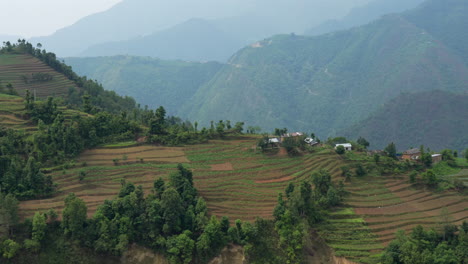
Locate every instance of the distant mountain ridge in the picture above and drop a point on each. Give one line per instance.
(329, 82)
(132, 20)
(363, 14)
(194, 40)
(434, 119)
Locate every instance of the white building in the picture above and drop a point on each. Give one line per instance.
(347, 146)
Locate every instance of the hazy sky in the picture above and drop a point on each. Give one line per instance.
(29, 18)
(32, 18)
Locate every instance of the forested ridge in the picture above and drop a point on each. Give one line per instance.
(340, 78)
(416, 118)
(170, 83)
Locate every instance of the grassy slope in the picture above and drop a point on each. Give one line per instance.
(151, 82)
(14, 66)
(334, 80)
(435, 119)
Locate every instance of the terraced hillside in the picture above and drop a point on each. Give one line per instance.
(239, 182)
(379, 206)
(12, 113)
(26, 72)
(235, 180)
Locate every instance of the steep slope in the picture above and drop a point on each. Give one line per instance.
(327, 83)
(23, 67)
(193, 40)
(151, 82)
(24, 72)
(434, 119)
(447, 22)
(363, 14)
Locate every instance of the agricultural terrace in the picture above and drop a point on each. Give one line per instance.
(378, 206)
(24, 72)
(241, 183)
(12, 112)
(234, 179)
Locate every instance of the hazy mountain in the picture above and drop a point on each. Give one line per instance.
(128, 19)
(151, 82)
(435, 119)
(363, 14)
(329, 82)
(194, 40)
(136, 18)
(448, 21)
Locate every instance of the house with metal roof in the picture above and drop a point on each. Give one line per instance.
(347, 146)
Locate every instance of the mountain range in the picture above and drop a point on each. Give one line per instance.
(364, 14)
(236, 22)
(327, 84)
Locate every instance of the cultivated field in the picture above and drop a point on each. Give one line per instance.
(235, 180)
(381, 205)
(240, 183)
(12, 111)
(19, 69)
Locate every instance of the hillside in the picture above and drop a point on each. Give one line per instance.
(230, 185)
(447, 22)
(12, 113)
(169, 83)
(362, 15)
(329, 82)
(241, 183)
(24, 72)
(24, 67)
(435, 119)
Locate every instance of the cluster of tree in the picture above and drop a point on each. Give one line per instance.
(9, 89)
(174, 131)
(173, 220)
(101, 99)
(429, 246)
(304, 207)
(37, 77)
(19, 168)
(56, 141)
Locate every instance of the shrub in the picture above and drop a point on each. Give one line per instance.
(340, 150)
(360, 170)
(82, 175)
